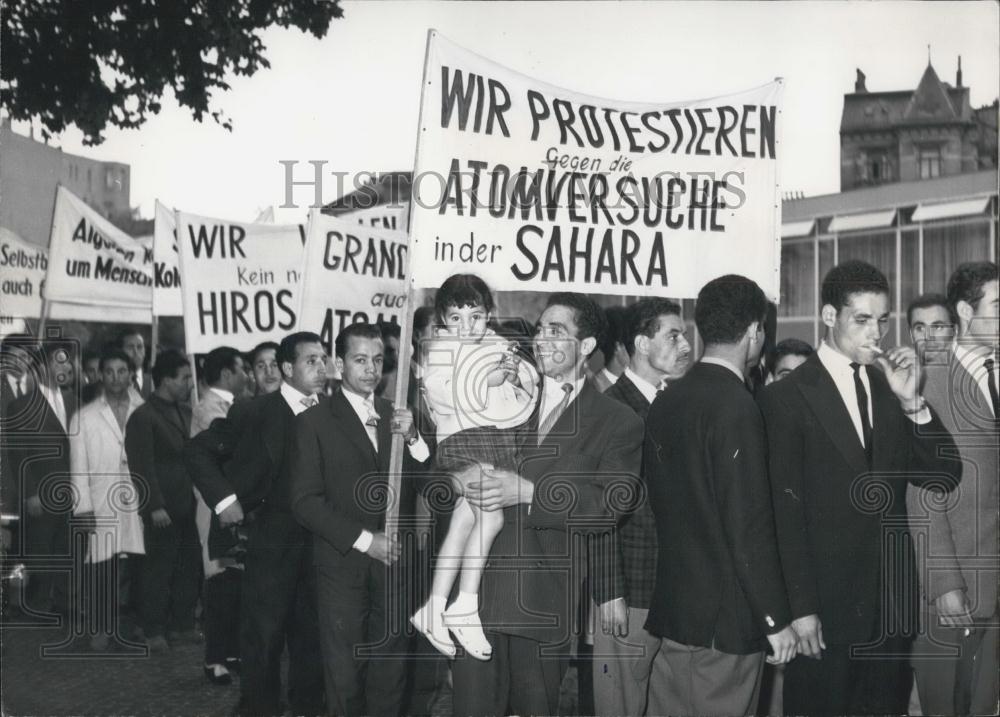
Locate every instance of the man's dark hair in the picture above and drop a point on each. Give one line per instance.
(643, 317)
(788, 347)
(114, 353)
(851, 277)
(260, 348)
(389, 329)
(19, 342)
(927, 301)
(89, 355)
(462, 290)
(168, 363)
(125, 333)
(966, 283)
(587, 314)
(616, 318)
(218, 359)
(361, 331)
(288, 351)
(423, 316)
(726, 307)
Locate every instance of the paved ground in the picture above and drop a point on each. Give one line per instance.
(47, 672)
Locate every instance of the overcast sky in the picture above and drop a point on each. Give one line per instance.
(352, 98)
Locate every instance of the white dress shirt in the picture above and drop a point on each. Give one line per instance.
(296, 400)
(973, 360)
(553, 394)
(839, 368)
(55, 399)
(647, 389)
(418, 450)
(225, 395)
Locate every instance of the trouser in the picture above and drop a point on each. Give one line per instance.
(867, 683)
(47, 536)
(221, 617)
(522, 678)
(365, 647)
(171, 572)
(278, 604)
(704, 681)
(957, 673)
(622, 666)
(103, 592)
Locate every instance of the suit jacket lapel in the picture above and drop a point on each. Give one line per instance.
(635, 399)
(821, 393)
(344, 414)
(276, 427)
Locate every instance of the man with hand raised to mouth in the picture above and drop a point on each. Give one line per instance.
(844, 441)
(338, 464)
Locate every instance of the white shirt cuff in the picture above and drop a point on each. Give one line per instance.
(364, 541)
(419, 450)
(224, 503)
(920, 417)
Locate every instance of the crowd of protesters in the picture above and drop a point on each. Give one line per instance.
(814, 523)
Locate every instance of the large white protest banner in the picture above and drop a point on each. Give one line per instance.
(352, 274)
(241, 281)
(166, 272)
(93, 263)
(382, 216)
(536, 187)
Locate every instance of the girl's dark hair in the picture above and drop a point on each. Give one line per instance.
(460, 290)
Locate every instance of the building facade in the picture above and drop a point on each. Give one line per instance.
(31, 170)
(905, 136)
(916, 232)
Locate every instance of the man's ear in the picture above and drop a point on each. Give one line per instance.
(286, 369)
(587, 346)
(641, 344)
(965, 311)
(339, 363)
(829, 315)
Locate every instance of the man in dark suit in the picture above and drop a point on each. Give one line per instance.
(154, 442)
(338, 466)
(579, 456)
(719, 598)
(623, 568)
(247, 450)
(133, 344)
(36, 426)
(955, 655)
(844, 439)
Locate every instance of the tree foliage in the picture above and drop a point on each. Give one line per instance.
(94, 62)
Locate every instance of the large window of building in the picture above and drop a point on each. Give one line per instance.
(930, 162)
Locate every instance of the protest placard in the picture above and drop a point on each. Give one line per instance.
(241, 281)
(93, 263)
(535, 187)
(352, 274)
(22, 273)
(166, 272)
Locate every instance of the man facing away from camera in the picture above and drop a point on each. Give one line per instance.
(719, 598)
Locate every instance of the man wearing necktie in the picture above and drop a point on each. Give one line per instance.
(955, 656)
(846, 431)
(36, 442)
(248, 450)
(338, 464)
(579, 463)
(134, 346)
